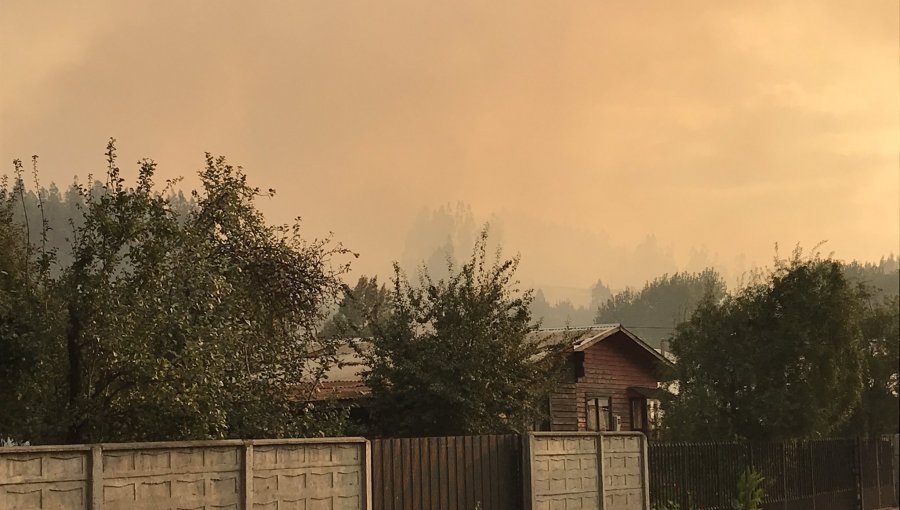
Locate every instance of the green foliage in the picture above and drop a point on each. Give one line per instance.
(361, 306)
(29, 313)
(877, 412)
(666, 505)
(454, 356)
(665, 301)
(881, 278)
(168, 322)
(750, 491)
(780, 359)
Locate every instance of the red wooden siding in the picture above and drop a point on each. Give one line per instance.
(611, 366)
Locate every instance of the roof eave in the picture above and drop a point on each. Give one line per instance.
(607, 333)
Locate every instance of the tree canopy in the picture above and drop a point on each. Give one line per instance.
(162, 323)
(455, 357)
(878, 411)
(666, 301)
(362, 306)
(782, 358)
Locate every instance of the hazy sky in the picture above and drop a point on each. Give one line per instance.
(607, 139)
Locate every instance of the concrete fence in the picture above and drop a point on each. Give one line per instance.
(586, 470)
(572, 470)
(332, 473)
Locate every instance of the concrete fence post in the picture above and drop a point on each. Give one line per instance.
(527, 470)
(367, 475)
(247, 476)
(601, 499)
(95, 478)
(645, 469)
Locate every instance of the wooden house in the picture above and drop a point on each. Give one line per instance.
(611, 381)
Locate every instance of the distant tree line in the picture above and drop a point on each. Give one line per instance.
(655, 310)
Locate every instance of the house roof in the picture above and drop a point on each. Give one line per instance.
(343, 380)
(584, 337)
(341, 390)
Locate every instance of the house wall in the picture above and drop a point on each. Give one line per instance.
(611, 366)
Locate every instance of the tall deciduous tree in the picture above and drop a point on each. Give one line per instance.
(170, 324)
(782, 358)
(362, 306)
(455, 357)
(662, 303)
(879, 409)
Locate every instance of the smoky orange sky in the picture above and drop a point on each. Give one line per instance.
(603, 139)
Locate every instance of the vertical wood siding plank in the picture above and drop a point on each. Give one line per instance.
(377, 476)
(406, 480)
(444, 470)
(434, 473)
(415, 473)
(469, 461)
(452, 476)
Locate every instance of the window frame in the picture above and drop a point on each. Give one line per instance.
(596, 415)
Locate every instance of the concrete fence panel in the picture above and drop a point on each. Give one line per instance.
(311, 474)
(143, 477)
(625, 484)
(45, 478)
(586, 471)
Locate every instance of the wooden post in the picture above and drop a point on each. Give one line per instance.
(247, 478)
(96, 480)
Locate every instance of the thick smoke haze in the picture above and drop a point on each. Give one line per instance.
(613, 140)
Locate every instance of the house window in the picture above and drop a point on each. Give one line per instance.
(654, 414)
(638, 414)
(645, 414)
(599, 413)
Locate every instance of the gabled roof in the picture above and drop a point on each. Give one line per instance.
(343, 379)
(584, 337)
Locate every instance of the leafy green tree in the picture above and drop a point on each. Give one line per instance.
(780, 359)
(28, 319)
(454, 357)
(174, 324)
(879, 409)
(655, 310)
(361, 306)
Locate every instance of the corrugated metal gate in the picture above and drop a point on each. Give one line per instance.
(447, 473)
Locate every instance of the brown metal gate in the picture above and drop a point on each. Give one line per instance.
(447, 473)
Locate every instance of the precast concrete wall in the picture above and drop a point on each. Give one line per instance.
(326, 474)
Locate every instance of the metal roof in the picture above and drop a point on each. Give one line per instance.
(582, 338)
